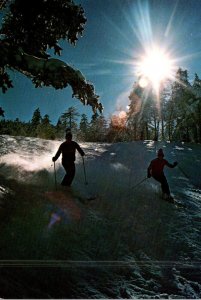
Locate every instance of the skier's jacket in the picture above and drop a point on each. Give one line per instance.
(68, 149)
(157, 165)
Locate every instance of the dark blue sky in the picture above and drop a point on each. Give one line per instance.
(115, 35)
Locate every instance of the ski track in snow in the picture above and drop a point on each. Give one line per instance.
(155, 241)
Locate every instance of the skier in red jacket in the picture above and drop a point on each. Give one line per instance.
(155, 170)
(68, 149)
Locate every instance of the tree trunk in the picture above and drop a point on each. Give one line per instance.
(162, 129)
(147, 131)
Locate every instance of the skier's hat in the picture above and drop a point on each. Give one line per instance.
(69, 135)
(160, 152)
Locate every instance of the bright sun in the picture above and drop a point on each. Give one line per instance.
(154, 67)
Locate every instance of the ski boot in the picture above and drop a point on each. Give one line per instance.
(168, 198)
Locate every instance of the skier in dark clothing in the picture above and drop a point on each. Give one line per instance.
(155, 170)
(68, 149)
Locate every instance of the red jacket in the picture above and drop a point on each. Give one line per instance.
(157, 165)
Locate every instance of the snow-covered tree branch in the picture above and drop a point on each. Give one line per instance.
(28, 31)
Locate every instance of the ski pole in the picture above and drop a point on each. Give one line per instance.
(85, 179)
(55, 177)
(139, 183)
(182, 171)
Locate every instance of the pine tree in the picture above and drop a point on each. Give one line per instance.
(93, 128)
(45, 130)
(165, 97)
(98, 128)
(83, 128)
(60, 129)
(134, 110)
(103, 128)
(69, 119)
(142, 114)
(35, 121)
(179, 107)
(195, 109)
(17, 127)
(1, 112)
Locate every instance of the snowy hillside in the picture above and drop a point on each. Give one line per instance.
(127, 243)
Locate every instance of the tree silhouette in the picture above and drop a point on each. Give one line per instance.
(35, 121)
(1, 112)
(69, 118)
(28, 29)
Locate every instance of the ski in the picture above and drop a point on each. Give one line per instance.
(82, 197)
(178, 204)
(86, 200)
(175, 202)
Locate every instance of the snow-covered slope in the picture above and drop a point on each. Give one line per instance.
(128, 243)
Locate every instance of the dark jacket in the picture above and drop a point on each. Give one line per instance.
(67, 149)
(157, 165)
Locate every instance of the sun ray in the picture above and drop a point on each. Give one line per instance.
(171, 19)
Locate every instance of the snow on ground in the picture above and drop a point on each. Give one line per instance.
(152, 248)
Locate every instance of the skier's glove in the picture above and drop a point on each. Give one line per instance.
(53, 159)
(175, 163)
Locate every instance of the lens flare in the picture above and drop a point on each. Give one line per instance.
(143, 82)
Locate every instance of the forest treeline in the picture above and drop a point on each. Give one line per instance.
(42, 127)
(174, 114)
